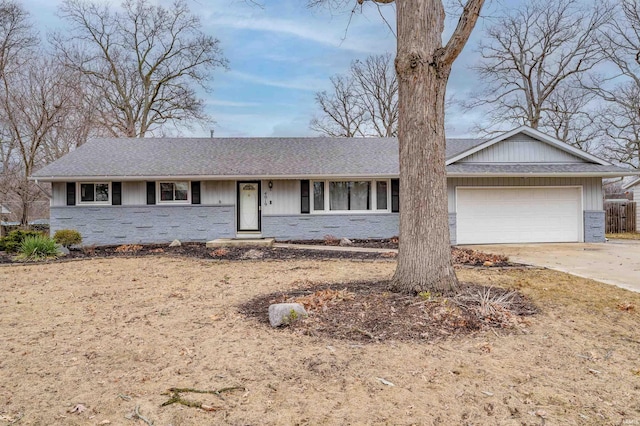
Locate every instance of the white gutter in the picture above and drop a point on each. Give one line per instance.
(532, 175)
(205, 177)
(320, 177)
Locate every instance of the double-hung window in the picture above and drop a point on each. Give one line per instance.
(174, 192)
(94, 193)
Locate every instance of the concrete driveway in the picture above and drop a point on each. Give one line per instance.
(615, 262)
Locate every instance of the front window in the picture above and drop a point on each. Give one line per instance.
(343, 196)
(94, 192)
(349, 195)
(174, 191)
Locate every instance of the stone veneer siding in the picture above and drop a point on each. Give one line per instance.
(453, 229)
(104, 225)
(594, 226)
(316, 226)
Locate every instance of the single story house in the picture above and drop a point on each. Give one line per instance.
(634, 186)
(522, 186)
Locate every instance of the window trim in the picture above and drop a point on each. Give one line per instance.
(93, 203)
(159, 199)
(373, 201)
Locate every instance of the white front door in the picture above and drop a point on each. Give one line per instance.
(248, 206)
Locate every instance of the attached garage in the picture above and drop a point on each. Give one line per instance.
(519, 214)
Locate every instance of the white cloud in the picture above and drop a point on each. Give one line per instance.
(234, 104)
(358, 36)
(297, 83)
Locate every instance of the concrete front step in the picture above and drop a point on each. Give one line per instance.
(237, 242)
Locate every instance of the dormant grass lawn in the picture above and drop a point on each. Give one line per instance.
(625, 236)
(94, 342)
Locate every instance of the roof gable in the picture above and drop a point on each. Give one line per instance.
(525, 145)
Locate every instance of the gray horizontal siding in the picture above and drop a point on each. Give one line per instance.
(102, 225)
(317, 226)
(521, 149)
(591, 187)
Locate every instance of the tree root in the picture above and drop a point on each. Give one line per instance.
(176, 398)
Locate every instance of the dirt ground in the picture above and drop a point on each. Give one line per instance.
(89, 342)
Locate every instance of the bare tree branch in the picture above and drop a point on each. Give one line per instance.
(364, 103)
(142, 64)
(619, 118)
(342, 114)
(531, 61)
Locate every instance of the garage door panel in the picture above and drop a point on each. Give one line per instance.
(514, 215)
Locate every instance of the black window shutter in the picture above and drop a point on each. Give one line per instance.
(151, 192)
(195, 192)
(395, 195)
(71, 193)
(116, 193)
(305, 205)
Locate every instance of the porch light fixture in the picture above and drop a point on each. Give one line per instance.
(270, 184)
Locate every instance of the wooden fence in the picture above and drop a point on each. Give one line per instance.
(620, 216)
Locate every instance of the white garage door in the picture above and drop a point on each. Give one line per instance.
(518, 215)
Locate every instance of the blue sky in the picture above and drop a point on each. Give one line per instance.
(281, 54)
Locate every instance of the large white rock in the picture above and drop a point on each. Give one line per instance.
(175, 243)
(285, 313)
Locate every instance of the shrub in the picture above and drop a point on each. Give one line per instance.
(67, 237)
(11, 243)
(38, 247)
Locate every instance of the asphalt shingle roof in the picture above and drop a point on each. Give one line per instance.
(109, 158)
(234, 156)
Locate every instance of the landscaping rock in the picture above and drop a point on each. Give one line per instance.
(253, 254)
(63, 251)
(175, 243)
(285, 313)
(345, 242)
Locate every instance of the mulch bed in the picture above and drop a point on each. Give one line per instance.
(384, 243)
(366, 312)
(200, 251)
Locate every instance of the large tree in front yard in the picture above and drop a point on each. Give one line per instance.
(423, 66)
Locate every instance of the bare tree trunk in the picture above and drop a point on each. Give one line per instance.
(424, 260)
(24, 218)
(423, 66)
